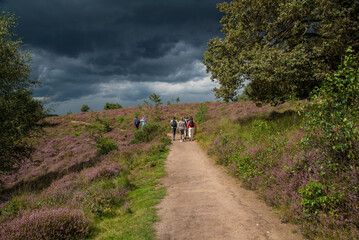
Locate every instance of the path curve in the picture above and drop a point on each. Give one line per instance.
(203, 202)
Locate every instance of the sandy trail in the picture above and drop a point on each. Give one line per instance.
(203, 202)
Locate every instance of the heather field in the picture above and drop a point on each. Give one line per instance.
(92, 176)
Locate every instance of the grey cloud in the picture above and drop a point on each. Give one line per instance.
(81, 44)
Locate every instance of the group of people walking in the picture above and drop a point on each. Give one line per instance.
(186, 127)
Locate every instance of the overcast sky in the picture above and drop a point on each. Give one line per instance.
(97, 51)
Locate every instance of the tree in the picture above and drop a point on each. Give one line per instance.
(20, 112)
(85, 108)
(280, 48)
(109, 106)
(156, 100)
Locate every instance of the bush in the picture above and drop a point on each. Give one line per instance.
(201, 114)
(332, 118)
(85, 108)
(149, 132)
(104, 145)
(47, 224)
(109, 106)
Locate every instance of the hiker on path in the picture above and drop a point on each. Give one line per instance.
(143, 121)
(137, 122)
(191, 126)
(174, 124)
(181, 127)
(186, 130)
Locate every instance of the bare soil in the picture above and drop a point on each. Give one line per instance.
(203, 202)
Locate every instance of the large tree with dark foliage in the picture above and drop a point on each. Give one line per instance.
(280, 48)
(19, 111)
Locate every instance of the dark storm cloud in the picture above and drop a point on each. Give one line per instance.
(79, 44)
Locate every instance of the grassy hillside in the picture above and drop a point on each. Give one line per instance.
(95, 173)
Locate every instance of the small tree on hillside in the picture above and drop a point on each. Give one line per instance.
(154, 100)
(85, 108)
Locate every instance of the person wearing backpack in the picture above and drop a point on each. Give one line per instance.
(181, 128)
(191, 126)
(174, 124)
(186, 130)
(137, 122)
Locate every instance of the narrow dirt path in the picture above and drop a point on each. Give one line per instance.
(203, 202)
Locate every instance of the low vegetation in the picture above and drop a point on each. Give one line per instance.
(301, 158)
(84, 173)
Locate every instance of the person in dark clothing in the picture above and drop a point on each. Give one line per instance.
(174, 124)
(137, 122)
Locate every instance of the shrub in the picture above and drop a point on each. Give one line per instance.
(105, 125)
(315, 198)
(104, 145)
(85, 108)
(149, 131)
(121, 119)
(332, 118)
(109, 106)
(201, 114)
(47, 224)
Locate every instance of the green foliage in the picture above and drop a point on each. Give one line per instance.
(105, 125)
(259, 128)
(20, 112)
(154, 100)
(109, 106)
(85, 108)
(104, 144)
(314, 199)
(332, 117)
(149, 131)
(201, 113)
(101, 203)
(77, 133)
(282, 48)
(121, 119)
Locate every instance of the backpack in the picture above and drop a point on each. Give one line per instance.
(174, 123)
(191, 123)
(137, 122)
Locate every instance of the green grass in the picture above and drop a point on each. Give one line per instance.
(136, 221)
